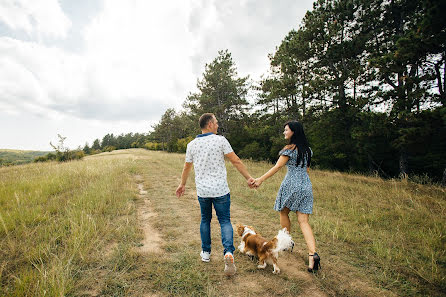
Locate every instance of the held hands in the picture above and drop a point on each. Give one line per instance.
(250, 182)
(254, 183)
(257, 182)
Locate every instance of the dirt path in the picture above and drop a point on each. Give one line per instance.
(170, 263)
(185, 217)
(152, 239)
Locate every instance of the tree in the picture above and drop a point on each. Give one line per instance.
(96, 145)
(61, 150)
(86, 149)
(63, 153)
(366, 78)
(220, 91)
(407, 53)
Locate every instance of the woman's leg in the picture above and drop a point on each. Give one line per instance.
(285, 219)
(302, 218)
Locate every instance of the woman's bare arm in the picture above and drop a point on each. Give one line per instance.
(280, 163)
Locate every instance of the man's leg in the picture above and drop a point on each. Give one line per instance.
(205, 225)
(222, 209)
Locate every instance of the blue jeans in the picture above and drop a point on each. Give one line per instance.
(222, 209)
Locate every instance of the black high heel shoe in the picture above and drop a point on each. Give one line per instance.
(316, 263)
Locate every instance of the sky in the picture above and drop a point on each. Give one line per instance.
(86, 68)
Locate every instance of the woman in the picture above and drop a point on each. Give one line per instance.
(295, 193)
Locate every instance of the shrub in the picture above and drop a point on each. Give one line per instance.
(153, 146)
(109, 148)
(252, 151)
(78, 155)
(182, 144)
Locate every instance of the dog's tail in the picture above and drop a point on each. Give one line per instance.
(284, 240)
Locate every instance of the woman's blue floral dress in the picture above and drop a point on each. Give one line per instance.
(296, 191)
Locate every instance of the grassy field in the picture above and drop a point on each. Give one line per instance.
(80, 229)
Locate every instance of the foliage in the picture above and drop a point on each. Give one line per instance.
(108, 148)
(182, 144)
(221, 91)
(63, 154)
(154, 146)
(111, 142)
(365, 77)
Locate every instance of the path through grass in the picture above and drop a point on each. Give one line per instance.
(74, 229)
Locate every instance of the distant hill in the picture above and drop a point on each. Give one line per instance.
(16, 157)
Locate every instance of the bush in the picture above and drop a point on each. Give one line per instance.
(78, 155)
(252, 151)
(423, 179)
(61, 156)
(95, 152)
(46, 158)
(172, 146)
(40, 159)
(182, 144)
(109, 148)
(153, 146)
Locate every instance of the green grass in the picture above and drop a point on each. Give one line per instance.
(72, 229)
(56, 219)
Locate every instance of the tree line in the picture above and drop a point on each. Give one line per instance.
(108, 143)
(365, 77)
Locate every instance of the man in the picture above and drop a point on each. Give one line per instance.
(206, 152)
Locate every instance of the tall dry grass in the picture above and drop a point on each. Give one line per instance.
(57, 219)
(392, 230)
(71, 229)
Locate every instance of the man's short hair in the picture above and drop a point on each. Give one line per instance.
(205, 119)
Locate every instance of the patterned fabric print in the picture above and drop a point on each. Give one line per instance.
(207, 154)
(296, 191)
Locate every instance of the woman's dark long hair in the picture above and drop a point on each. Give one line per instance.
(301, 143)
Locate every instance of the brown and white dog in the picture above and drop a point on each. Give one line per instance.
(255, 245)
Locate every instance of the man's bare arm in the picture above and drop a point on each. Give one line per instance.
(182, 186)
(235, 160)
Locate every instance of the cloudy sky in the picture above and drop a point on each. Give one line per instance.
(85, 68)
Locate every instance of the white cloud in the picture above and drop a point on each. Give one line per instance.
(33, 77)
(249, 29)
(138, 58)
(140, 50)
(35, 132)
(130, 70)
(35, 16)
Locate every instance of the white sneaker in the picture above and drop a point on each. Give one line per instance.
(205, 256)
(229, 264)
